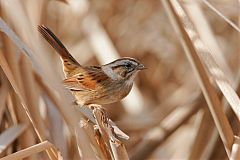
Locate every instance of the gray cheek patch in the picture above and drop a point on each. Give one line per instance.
(109, 72)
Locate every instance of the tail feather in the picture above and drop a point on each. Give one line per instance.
(68, 61)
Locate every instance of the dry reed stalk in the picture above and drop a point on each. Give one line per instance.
(177, 15)
(27, 139)
(130, 26)
(205, 55)
(212, 150)
(45, 145)
(93, 138)
(11, 134)
(84, 143)
(69, 113)
(112, 145)
(3, 94)
(200, 23)
(103, 130)
(56, 127)
(208, 38)
(20, 97)
(221, 15)
(158, 134)
(56, 101)
(235, 155)
(10, 108)
(102, 144)
(208, 151)
(119, 150)
(204, 135)
(32, 94)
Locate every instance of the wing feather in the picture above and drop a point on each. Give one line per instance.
(88, 80)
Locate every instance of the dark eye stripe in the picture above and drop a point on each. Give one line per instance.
(118, 66)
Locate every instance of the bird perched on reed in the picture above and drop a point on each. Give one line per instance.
(103, 84)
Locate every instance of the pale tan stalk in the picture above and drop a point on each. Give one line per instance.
(182, 25)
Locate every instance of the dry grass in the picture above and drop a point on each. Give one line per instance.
(185, 106)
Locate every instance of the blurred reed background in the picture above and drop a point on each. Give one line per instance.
(165, 115)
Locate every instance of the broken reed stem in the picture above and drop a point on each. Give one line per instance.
(113, 147)
(93, 138)
(175, 11)
(104, 137)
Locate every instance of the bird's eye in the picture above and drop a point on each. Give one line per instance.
(128, 66)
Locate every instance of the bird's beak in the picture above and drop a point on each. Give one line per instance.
(141, 67)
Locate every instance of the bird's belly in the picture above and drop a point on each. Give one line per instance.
(102, 97)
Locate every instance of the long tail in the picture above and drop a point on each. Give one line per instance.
(68, 61)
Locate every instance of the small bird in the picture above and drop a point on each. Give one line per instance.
(104, 84)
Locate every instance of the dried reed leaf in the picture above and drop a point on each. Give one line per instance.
(185, 29)
(118, 132)
(216, 72)
(221, 15)
(11, 134)
(208, 38)
(4, 28)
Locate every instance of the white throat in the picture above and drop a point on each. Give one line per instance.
(131, 79)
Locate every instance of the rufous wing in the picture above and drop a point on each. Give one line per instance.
(88, 80)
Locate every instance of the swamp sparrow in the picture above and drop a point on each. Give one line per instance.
(95, 84)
